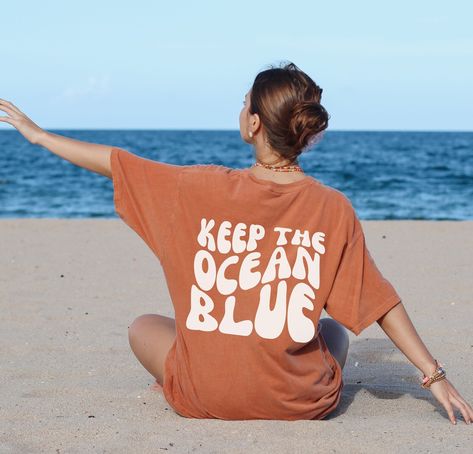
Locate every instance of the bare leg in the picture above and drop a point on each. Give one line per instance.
(336, 338)
(151, 336)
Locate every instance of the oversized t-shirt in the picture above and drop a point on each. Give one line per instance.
(250, 264)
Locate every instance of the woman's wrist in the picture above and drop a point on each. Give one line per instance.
(439, 374)
(429, 367)
(40, 138)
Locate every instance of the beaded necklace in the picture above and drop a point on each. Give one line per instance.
(286, 168)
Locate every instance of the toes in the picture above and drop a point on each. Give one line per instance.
(156, 386)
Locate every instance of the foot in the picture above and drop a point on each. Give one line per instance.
(156, 386)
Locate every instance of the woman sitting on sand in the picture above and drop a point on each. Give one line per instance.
(251, 257)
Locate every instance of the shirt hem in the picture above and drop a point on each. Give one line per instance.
(376, 314)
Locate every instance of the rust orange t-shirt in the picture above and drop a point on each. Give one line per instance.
(250, 264)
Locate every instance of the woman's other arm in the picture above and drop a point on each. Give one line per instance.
(398, 327)
(91, 156)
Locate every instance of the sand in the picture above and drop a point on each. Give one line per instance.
(70, 382)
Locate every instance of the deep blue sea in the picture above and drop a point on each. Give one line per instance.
(386, 175)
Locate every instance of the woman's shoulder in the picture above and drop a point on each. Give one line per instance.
(336, 196)
(208, 172)
(207, 168)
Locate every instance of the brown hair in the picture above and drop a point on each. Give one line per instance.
(287, 101)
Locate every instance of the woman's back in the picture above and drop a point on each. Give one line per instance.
(250, 264)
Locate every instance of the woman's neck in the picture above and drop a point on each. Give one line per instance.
(277, 177)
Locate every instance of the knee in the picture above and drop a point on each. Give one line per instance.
(137, 325)
(327, 321)
(332, 326)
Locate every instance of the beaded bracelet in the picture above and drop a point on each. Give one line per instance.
(439, 374)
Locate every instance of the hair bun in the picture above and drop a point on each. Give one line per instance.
(308, 120)
(287, 101)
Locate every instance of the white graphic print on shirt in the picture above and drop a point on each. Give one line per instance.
(268, 323)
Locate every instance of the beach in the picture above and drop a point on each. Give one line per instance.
(70, 382)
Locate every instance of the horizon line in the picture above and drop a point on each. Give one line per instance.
(237, 130)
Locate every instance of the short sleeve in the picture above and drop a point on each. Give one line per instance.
(360, 294)
(145, 194)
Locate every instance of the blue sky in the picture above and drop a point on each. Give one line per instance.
(187, 65)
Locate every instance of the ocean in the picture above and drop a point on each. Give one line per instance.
(386, 175)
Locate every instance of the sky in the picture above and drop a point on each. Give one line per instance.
(400, 65)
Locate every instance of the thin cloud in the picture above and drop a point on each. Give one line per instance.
(93, 86)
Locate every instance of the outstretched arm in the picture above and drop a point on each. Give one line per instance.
(90, 156)
(398, 327)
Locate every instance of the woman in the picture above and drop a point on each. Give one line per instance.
(251, 257)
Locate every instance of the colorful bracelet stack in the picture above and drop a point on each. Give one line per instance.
(439, 374)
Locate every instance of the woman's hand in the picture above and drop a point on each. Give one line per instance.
(30, 130)
(90, 156)
(448, 396)
(398, 326)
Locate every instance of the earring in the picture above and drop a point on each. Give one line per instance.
(250, 134)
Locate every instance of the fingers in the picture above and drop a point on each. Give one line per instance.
(4, 102)
(469, 409)
(8, 110)
(156, 386)
(454, 394)
(6, 120)
(449, 408)
(463, 409)
(448, 404)
(4, 107)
